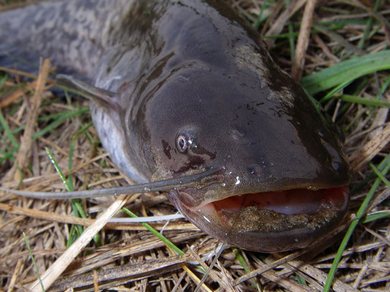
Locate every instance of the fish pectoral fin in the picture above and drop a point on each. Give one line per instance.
(86, 90)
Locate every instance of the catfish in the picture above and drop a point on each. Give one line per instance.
(185, 94)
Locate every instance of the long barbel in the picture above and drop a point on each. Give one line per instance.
(161, 185)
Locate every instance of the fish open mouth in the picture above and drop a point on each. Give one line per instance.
(270, 221)
(280, 211)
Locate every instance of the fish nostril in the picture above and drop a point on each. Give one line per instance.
(251, 170)
(254, 169)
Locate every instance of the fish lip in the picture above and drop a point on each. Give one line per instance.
(289, 240)
(268, 241)
(228, 182)
(208, 193)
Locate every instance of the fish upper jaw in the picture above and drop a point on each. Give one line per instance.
(264, 220)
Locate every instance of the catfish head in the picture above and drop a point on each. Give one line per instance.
(283, 173)
(200, 92)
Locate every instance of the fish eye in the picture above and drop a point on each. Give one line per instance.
(184, 142)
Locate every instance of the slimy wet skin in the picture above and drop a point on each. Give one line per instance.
(284, 181)
(185, 86)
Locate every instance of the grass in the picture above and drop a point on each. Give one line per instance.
(35, 267)
(7, 132)
(77, 208)
(159, 235)
(385, 166)
(346, 71)
(58, 119)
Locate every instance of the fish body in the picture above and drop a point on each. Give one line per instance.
(193, 88)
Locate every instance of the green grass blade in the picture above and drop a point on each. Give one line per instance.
(384, 87)
(368, 26)
(354, 223)
(261, 17)
(8, 132)
(241, 259)
(70, 163)
(58, 169)
(77, 208)
(300, 280)
(3, 79)
(365, 101)
(334, 91)
(165, 240)
(376, 216)
(380, 175)
(346, 71)
(75, 230)
(7, 156)
(35, 266)
(60, 120)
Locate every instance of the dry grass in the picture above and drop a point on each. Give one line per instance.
(35, 233)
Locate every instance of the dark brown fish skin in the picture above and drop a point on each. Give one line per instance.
(74, 34)
(191, 69)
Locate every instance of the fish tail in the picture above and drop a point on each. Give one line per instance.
(71, 33)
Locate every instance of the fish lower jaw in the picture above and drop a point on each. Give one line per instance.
(271, 221)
